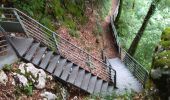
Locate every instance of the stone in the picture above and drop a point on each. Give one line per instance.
(49, 77)
(3, 77)
(39, 74)
(156, 73)
(22, 68)
(20, 79)
(49, 96)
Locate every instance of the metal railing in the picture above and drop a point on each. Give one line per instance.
(135, 67)
(64, 47)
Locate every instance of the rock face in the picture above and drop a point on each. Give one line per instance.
(37, 76)
(49, 96)
(160, 72)
(3, 77)
(22, 80)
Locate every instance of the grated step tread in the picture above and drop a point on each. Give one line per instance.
(36, 60)
(53, 63)
(80, 77)
(104, 87)
(110, 89)
(29, 55)
(86, 81)
(73, 74)
(98, 86)
(45, 61)
(92, 84)
(59, 67)
(66, 71)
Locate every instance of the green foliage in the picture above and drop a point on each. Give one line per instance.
(131, 20)
(104, 7)
(160, 63)
(69, 13)
(128, 95)
(165, 44)
(7, 67)
(27, 90)
(47, 22)
(162, 59)
(32, 7)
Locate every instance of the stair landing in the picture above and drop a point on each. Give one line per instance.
(9, 58)
(125, 80)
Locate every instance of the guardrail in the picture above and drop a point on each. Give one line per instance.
(135, 67)
(64, 47)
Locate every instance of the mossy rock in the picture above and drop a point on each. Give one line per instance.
(164, 54)
(165, 44)
(161, 63)
(166, 34)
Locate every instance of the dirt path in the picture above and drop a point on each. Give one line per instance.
(88, 41)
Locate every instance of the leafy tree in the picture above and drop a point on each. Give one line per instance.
(139, 34)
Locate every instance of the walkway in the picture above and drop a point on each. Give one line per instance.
(125, 80)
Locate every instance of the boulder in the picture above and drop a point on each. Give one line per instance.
(3, 77)
(48, 96)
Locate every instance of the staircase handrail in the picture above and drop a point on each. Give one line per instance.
(127, 55)
(52, 33)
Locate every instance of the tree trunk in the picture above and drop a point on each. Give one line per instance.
(136, 40)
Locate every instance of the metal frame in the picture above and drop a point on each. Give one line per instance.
(65, 48)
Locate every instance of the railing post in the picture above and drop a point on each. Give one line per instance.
(20, 21)
(56, 43)
(115, 81)
(145, 78)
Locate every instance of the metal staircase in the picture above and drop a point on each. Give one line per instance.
(60, 67)
(56, 55)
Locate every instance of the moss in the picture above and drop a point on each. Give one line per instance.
(162, 63)
(165, 44)
(166, 34)
(162, 59)
(164, 54)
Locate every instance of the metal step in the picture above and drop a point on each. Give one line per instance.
(104, 87)
(29, 55)
(21, 45)
(45, 61)
(80, 77)
(66, 71)
(110, 89)
(59, 67)
(86, 81)
(92, 84)
(37, 58)
(73, 74)
(52, 64)
(98, 86)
